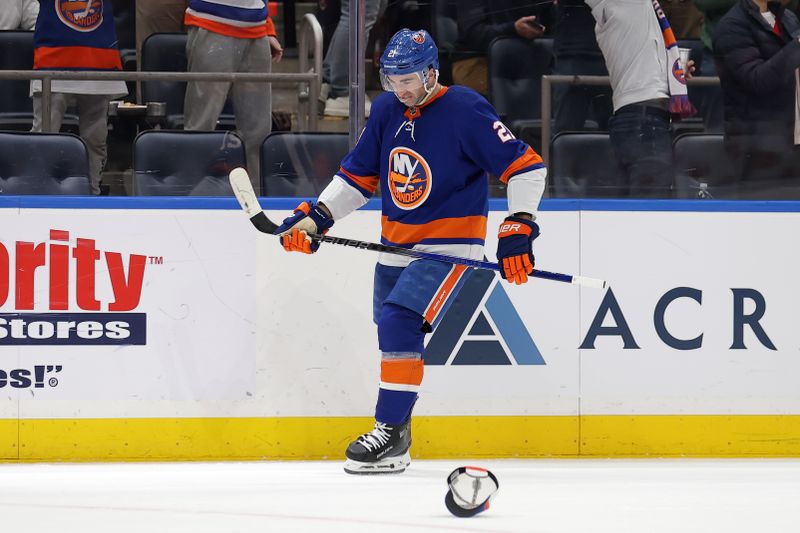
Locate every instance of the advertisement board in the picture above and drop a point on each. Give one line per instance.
(171, 329)
(112, 313)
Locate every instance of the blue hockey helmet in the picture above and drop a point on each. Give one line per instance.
(409, 51)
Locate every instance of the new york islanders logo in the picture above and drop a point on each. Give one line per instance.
(80, 15)
(419, 37)
(678, 72)
(410, 178)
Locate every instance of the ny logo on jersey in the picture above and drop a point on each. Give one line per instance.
(81, 16)
(410, 178)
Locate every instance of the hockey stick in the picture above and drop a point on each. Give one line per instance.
(85, 12)
(240, 183)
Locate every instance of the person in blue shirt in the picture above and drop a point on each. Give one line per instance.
(430, 148)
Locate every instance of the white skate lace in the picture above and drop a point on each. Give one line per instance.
(375, 438)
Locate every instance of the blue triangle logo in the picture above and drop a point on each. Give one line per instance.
(482, 328)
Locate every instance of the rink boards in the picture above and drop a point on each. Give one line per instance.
(144, 329)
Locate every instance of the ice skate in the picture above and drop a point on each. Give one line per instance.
(384, 450)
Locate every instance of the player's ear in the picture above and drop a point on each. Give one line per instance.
(428, 77)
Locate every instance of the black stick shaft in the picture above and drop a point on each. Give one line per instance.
(265, 225)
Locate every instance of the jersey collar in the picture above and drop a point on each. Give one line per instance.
(415, 112)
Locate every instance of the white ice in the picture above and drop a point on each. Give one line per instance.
(558, 495)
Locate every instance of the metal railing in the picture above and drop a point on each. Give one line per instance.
(553, 79)
(47, 77)
(308, 93)
(310, 26)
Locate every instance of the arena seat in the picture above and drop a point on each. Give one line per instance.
(166, 52)
(516, 68)
(185, 163)
(300, 164)
(582, 165)
(702, 167)
(16, 53)
(43, 163)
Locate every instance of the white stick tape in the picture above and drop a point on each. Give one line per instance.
(589, 282)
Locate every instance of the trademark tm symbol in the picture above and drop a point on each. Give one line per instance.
(155, 259)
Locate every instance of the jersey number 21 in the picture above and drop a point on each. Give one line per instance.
(502, 131)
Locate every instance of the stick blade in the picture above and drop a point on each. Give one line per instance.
(243, 190)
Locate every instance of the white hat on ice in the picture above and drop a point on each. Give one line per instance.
(470, 488)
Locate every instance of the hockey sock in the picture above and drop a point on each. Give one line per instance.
(400, 339)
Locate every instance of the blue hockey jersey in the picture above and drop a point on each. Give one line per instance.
(75, 34)
(431, 163)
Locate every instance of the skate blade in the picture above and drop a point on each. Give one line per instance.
(390, 465)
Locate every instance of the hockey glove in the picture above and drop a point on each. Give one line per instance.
(308, 217)
(515, 248)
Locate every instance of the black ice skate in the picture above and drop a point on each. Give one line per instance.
(384, 450)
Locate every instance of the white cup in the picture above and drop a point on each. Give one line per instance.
(683, 57)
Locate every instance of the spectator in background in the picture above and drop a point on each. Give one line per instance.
(758, 53)
(226, 38)
(336, 65)
(576, 52)
(78, 36)
(327, 13)
(19, 14)
(684, 18)
(480, 22)
(642, 91)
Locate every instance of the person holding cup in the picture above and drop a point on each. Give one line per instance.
(648, 88)
(758, 55)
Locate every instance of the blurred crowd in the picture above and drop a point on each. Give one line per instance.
(650, 50)
(751, 45)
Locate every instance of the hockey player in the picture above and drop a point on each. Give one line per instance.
(430, 147)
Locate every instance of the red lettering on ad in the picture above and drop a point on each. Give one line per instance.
(126, 281)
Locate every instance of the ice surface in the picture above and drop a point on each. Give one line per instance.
(559, 495)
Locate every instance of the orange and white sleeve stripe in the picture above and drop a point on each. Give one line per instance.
(528, 160)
